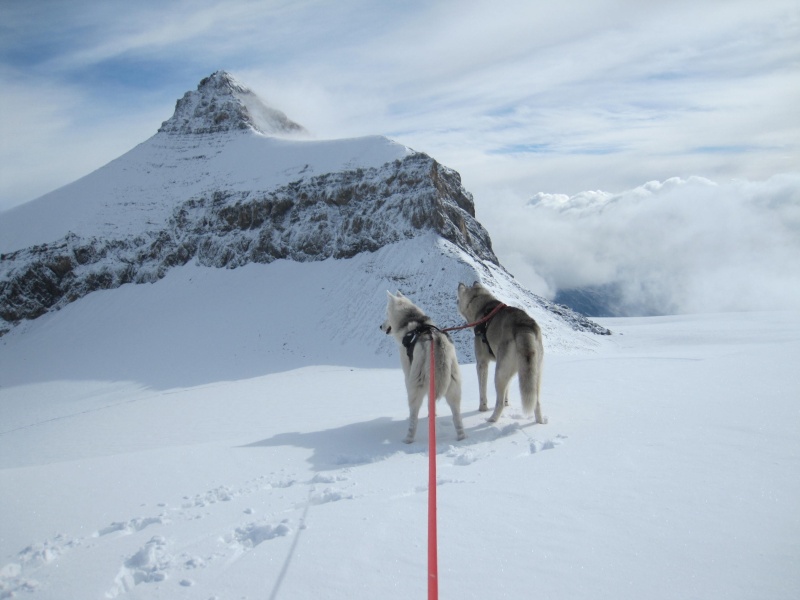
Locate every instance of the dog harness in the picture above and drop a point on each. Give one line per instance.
(480, 329)
(410, 339)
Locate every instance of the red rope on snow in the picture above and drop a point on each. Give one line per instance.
(433, 554)
(433, 544)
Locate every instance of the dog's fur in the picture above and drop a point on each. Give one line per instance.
(402, 317)
(514, 340)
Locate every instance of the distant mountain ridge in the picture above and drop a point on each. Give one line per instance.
(216, 186)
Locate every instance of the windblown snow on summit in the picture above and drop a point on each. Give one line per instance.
(222, 104)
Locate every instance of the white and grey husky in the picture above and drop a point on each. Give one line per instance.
(414, 332)
(514, 340)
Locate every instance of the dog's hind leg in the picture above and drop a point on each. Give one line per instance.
(414, 404)
(529, 357)
(482, 365)
(453, 397)
(503, 372)
(537, 387)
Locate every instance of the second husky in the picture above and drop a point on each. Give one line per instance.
(415, 332)
(514, 340)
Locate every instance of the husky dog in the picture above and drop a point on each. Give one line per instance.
(510, 337)
(414, 332)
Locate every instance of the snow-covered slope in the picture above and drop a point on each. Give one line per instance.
(670, 467)
(259, 318)
(139, 191)
(221, 185)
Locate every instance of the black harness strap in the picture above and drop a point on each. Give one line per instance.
(480, 329)
(410, 339)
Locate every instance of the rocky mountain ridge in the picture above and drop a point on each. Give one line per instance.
(336, 215)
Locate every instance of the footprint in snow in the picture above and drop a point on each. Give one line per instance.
(463, 456)
(328, 495)
(538, 446)
(253, 534)
(150, 564)
(132, 526)
(326, 478)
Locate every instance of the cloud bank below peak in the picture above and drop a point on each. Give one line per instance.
(677, 246)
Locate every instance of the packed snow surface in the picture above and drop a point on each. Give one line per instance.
(137, 462)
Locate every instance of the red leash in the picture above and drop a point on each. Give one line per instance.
(495, 310)
(433, 549)
(433, 554)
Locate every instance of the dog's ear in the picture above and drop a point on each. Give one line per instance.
(400, 294)
(461, 287)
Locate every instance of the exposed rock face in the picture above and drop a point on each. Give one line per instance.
(222, 104)
(335, 215)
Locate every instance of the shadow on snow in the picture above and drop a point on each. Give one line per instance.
(376, 440)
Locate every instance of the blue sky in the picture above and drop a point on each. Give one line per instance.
(519, 97)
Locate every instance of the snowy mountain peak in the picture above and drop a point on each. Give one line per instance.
(387, 216)
(222, 104)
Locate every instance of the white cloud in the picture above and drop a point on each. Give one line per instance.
(543, 92)
(51, 135)
(677, 246)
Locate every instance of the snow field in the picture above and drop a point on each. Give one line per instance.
(668, 469)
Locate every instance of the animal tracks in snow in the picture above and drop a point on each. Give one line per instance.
(15, 576)
(153, 561)
(538, 446)
(132, 526)
(479, 445)
(253, 534)
(185, 542)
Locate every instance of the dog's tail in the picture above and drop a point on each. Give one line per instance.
(530, 353)
(444, 372)
(420, 370)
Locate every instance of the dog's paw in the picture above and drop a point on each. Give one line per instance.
(492, 419)
(461, 436)
(483, 407)
(408, 440)
(543, 421)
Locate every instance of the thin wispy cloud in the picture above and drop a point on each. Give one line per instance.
(520, 99)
